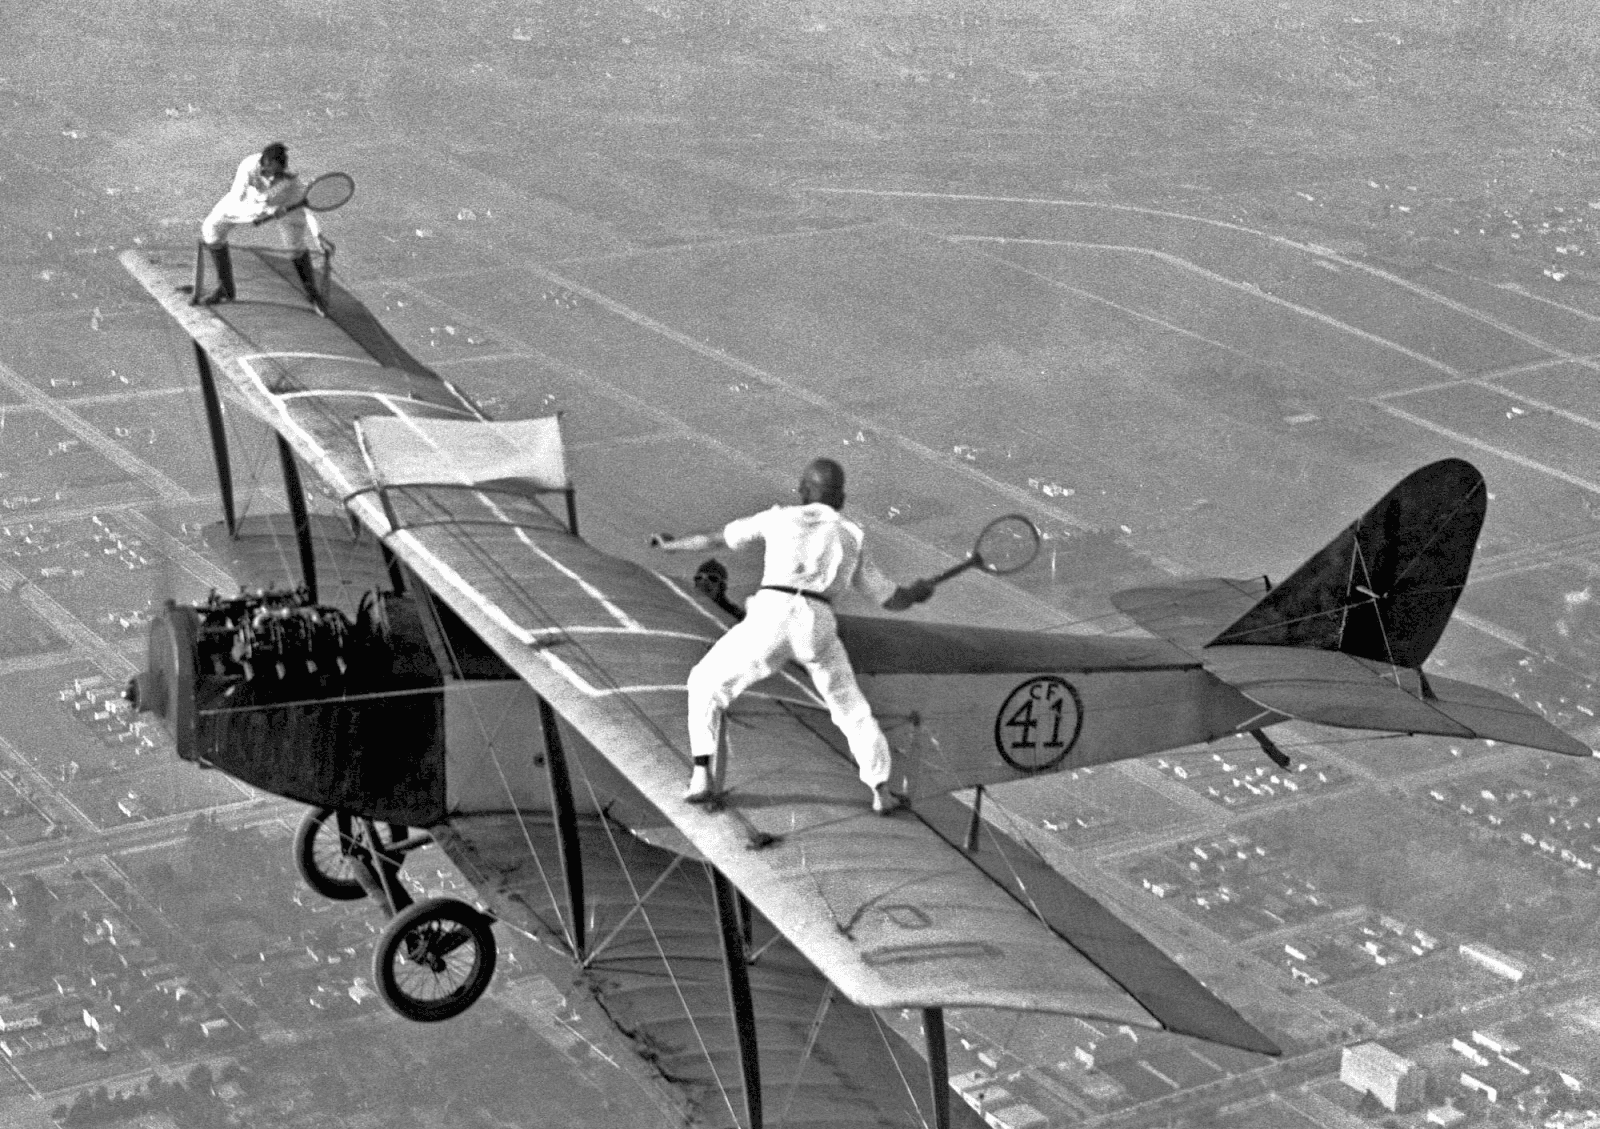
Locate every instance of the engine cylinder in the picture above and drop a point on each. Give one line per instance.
(300, 700)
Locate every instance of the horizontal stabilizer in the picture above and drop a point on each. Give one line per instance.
(1331, 688)
(1499, 718)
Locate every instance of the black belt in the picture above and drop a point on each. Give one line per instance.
(817, 596)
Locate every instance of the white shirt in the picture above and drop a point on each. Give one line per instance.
(813, 548)
(253, 195)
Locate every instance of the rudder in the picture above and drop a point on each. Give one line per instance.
(1385, 587)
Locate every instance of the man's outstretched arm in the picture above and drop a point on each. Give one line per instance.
(689, 542)
(871, 580)
(907, 595)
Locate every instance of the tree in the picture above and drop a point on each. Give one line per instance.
(33, 900)
(200, 1080)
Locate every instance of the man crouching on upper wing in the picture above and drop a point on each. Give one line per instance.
(263, 189)
(812, 553)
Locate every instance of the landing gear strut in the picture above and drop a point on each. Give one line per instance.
(435, 957)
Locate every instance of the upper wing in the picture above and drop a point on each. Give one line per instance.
(889, 909)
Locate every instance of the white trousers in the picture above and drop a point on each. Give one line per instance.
(297, 233)
(778, 627)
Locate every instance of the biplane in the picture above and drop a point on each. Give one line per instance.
(507, 666)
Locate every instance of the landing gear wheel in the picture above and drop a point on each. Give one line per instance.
(323, 846)
(434, 959)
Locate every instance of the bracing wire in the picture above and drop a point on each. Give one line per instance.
(594, 953)
(894, 1058)
(491, 745)
(573, 644)
(330, 554)
(812, 1035)
(655, 939)
(1021, 886)
(568, 929)
(770, 941)
(1441, 526)
(1359, 557)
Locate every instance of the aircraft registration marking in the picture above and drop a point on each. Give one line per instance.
(906, 916)
(1038, 723)
(933, 951)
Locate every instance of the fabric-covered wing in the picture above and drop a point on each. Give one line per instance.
(1332, 688)
(895, 916)
(659, 977)
(892, 913)
(1189, 615)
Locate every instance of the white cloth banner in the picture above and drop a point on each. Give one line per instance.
(412, 451)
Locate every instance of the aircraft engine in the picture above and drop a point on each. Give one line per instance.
(298, 699)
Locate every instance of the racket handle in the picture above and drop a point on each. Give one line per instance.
(955, 570)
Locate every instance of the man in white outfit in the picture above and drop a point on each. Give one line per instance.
(263, 189)
(812, 554)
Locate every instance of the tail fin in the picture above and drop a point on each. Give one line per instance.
(1385, 587)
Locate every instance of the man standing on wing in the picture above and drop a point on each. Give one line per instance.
(263, 189)
(812, 554)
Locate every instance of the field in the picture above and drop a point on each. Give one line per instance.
(1190, 285)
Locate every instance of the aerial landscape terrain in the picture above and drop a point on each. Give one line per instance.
(1189, 285)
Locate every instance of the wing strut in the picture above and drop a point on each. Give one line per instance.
(219, 437)
(391, 564)
(739, 998)
(302, 519)
(938, 1065)
(566, 812)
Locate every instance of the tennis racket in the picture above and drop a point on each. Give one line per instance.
(1006, 545)
(329, 191)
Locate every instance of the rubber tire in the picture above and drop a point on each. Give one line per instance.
(405, 924)
(330, 886)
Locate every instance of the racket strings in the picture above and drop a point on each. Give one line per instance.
(1008, 544)
(329, 191)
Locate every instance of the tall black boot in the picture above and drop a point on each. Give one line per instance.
(308, 279)
(222, 265)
